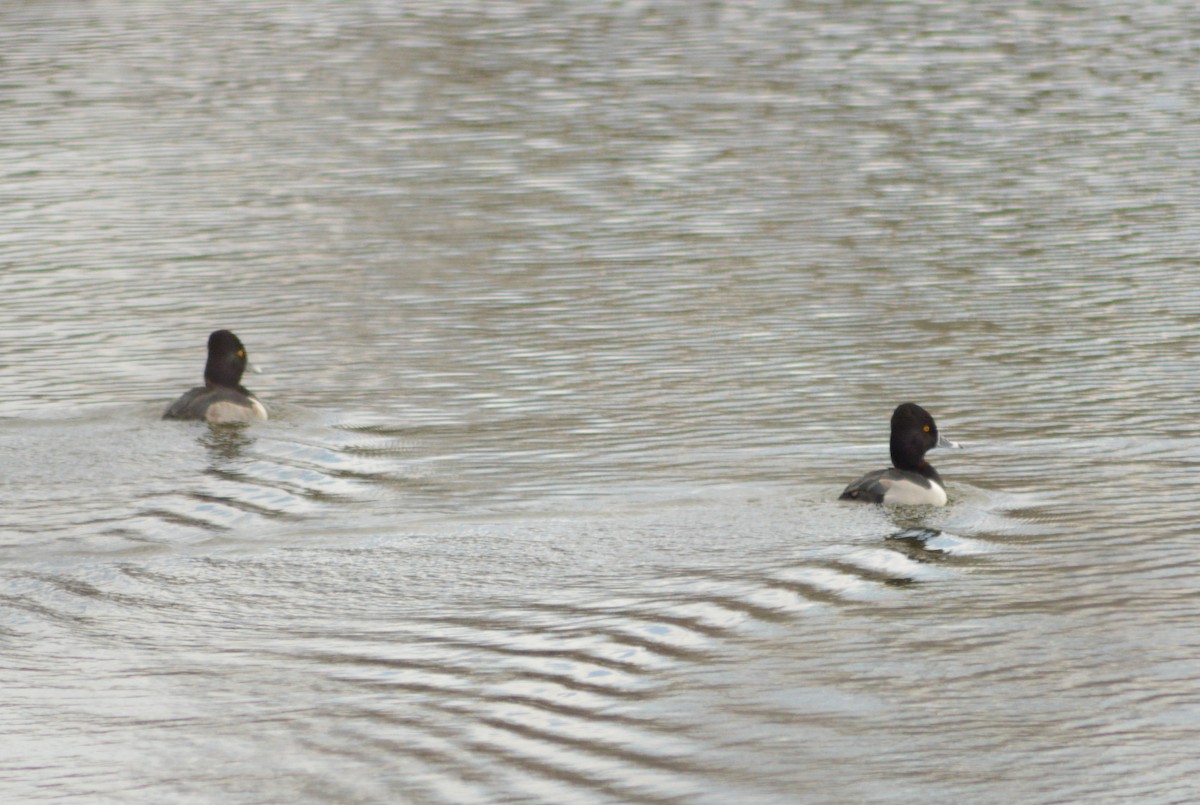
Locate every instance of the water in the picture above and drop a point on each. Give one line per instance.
(576, 319)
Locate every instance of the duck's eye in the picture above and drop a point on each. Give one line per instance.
(923, 427)
(242, 354)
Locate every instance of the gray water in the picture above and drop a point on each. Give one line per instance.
(575, 318)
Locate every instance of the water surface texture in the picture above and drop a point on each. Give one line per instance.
(575, 319)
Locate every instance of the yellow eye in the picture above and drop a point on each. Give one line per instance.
(924, 428)
(242, 354)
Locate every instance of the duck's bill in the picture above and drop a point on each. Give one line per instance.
(944, 442)
(250, 367)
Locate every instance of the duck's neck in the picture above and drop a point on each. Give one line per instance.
(908, 454)
(926, 469)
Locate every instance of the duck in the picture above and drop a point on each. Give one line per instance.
(222, 399)
(911, 480)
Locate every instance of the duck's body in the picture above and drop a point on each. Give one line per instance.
(911, 480)
(222, 399)
(218, 405)
(897, 487)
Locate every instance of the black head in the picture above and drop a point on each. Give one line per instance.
(226, 360)
(913, 433)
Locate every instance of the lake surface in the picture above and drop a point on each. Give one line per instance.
(575, 319)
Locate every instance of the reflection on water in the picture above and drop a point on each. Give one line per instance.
(576, 320)
(226, 443)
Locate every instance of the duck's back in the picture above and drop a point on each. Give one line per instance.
(898, 487)
(217, 405)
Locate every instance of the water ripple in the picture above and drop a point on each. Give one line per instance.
(576, 318)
